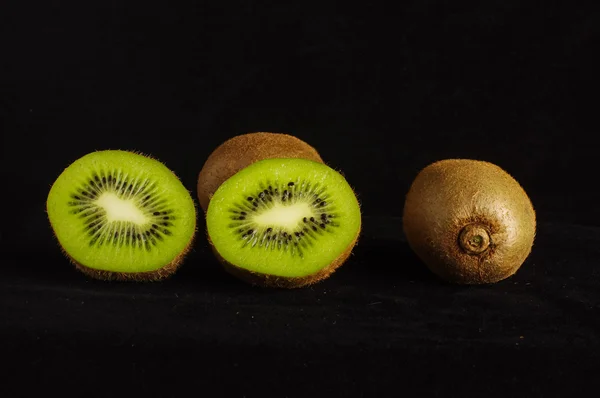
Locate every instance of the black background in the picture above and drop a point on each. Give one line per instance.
(380, 92)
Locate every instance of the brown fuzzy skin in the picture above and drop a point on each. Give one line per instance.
(453, 200)
(145, 276)
(274, 281)
(243, 150)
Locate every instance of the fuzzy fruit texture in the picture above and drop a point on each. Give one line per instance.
(274, 281)
(469, 221)
(238, 152)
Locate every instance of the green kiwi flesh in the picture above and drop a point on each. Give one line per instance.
(469, 221)
(283, 222)
(120, 215)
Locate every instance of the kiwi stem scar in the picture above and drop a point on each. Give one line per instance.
(118, 209)
(474, 239)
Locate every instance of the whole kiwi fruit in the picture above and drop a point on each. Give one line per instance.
(240, 151)
(469, 221)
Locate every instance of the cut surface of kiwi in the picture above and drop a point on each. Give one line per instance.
(122, 215)
(284, 222)
(469, 221)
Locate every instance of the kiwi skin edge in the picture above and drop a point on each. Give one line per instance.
(274, 281)
(240, 151)
(144, 276)
(469, 221)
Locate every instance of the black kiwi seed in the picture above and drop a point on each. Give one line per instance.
(305, 219)
(290, 184)
(312, 219)
(250, 198)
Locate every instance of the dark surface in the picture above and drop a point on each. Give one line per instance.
(380, 95)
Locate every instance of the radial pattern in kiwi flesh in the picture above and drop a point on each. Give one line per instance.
(286, 218)
(121, 212)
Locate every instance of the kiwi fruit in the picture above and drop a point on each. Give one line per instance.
(283, 222)
(242, 150)
(469, 221)
(120, 215)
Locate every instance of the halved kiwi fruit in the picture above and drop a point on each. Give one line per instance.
(283, 222)
(469, 221)
(120, 215)
(243, 150)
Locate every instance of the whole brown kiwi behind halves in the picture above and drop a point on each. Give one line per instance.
(469, 221)
(243, 150)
